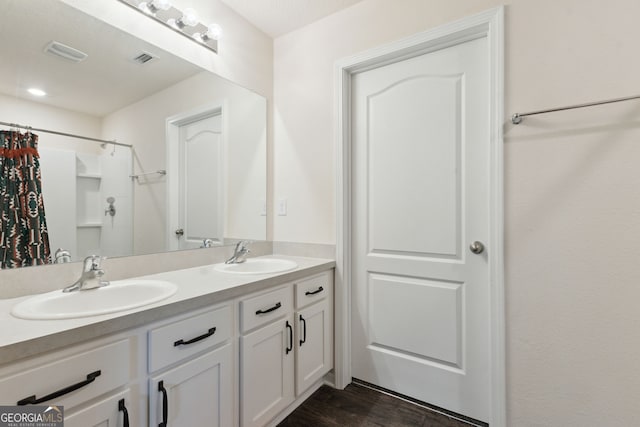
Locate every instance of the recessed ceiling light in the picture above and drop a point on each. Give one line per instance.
(36, 92)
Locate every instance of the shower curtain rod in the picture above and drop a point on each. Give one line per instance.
(516, 119)
(29, 128)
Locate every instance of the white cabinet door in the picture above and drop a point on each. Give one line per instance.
(314, 356)
(266, 370)
(112, 411)
(196, 393)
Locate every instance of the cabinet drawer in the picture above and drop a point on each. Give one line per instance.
(183, 338)
(264, 308)
(313, 289)
(95, 372)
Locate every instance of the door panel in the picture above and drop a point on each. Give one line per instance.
(429, 327)
(420, 153)
(414, 151)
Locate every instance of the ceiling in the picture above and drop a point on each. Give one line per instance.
(104, 82)
(108, 79)
(278, 17)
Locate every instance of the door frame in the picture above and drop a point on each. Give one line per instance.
(173, 125)
(489, 24)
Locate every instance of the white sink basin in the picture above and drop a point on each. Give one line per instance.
(119, 295)
(258, 266)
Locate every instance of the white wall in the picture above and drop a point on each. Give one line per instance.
(35, 114)
(571, 187)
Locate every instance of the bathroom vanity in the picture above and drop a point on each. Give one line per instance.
(225, 350)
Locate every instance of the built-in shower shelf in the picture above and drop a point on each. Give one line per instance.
(89, 175)
(89, 225)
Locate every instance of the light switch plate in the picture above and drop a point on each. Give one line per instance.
(282, 207)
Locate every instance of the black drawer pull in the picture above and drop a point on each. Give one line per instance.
(196, 339)
(317, 291)
(31, 400)
(165, 404)
(269, 310)
(125, 414)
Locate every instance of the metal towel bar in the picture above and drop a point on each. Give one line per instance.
(516, 119)
(159, 172)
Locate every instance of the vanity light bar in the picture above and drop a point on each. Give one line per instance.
(184, 22)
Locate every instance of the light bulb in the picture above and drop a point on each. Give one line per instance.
(161, 4)
(214, 31)
(144, 6)
(175, 24)
(151, 7)
(189, 17)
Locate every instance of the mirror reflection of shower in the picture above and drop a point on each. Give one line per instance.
(88, 196)
(111, 209)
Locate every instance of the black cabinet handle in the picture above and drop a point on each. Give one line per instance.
(196, 339)
(290, 346)
(125, 413)
(317, 291)
(269, 310)
(165, 404)
(32, 400)
(304, 330)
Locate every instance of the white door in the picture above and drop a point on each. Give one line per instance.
(201, 211)
(420, 307)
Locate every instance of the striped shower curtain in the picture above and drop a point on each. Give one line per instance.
(24, 239)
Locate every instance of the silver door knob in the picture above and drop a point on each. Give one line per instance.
(179, 232)
(477, 247)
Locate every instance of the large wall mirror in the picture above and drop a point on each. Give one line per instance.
(196, 168)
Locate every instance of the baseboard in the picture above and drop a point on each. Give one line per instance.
(299, 401)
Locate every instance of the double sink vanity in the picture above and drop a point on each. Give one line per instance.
(217, 345)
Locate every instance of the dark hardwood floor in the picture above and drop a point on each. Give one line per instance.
(361, 406)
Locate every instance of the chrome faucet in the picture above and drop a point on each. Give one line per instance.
(61, 256)
(207, 243)
(239, 253)
(90, 277)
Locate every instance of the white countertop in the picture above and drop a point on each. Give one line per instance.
(197, 287)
